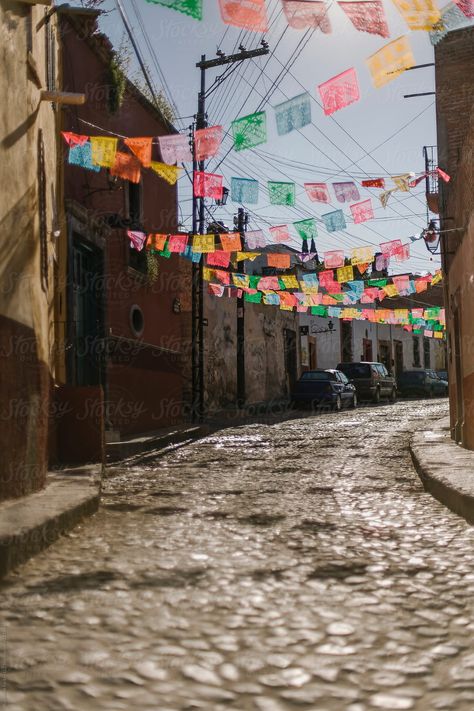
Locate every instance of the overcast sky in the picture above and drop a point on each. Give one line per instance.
(381, 135)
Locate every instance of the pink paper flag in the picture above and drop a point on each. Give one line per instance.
(334, 259)
(367, 16)
(362, 211)
(223, 277)
(215, 289)
(402, 253)
(175, 149)
(302, 14)
(269, 283)
(218, 259)
(402, 283)
(340, 91)
(249, 14)
(388, 249)
(444, 176)
(208, 185)
(137, 239)
(326, 278)
(255, 239)
(279, 233)
(207, 142)
(177, 243)
(466, 6)
(345, 192)
(317, 192)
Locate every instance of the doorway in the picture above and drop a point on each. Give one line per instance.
(398, 358)
(367, 350)
(291, 363)
(313, 357)
(86, 315)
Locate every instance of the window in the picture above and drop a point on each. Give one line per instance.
(426, 353)
(416, 352)
(315, 375)
(342, 378)
(134, 213)
(355, 370)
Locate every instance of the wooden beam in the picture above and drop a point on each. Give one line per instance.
(63, 97)
(36, 2)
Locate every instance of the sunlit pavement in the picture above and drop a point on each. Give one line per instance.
(269, 567)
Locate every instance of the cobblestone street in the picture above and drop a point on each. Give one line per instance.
(268, 567)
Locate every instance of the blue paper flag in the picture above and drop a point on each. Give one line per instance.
(82, 156)
(334, 221)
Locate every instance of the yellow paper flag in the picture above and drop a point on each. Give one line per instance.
(204, 243)
(345, 274)
(170, 173)
(390, 61)
(391, 290)
(241, 280)
(401, 181)
(362, 255)
(103, 151)
(419, 14)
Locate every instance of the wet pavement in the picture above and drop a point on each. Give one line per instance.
(297, 565)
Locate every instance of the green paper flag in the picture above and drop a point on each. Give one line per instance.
(378, 282)
(253, 298)
(193, 8)
(281, 193)
(319, 310)
(306, 228)
(249, 131)
(253, 282)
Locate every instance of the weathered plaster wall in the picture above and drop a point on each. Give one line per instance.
(27, 253)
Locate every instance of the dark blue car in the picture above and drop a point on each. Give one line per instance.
(324, 387)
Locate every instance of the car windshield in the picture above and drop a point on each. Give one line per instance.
(413, 376)
(317, 375)
(355, 370)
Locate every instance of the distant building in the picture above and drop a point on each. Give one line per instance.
(454, 60)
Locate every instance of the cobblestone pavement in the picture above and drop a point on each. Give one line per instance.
(296, 565)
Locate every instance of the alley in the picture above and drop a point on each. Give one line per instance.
(268, 567)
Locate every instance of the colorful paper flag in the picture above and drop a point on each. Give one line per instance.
(373, 183)
(340, 91)
(156, 242)
(255, 239)
(367, 16)
(127, 167)
(207, 142)
(177, 243)
(385, 196)
(390, 61)
(81, 155)
(362, 255)
(333, 259)
(317, 192)
(244, 190)
(388, 249)
(293, 114)
(452, 18)
(170, 173)
(74, 139)
(141, 148)
(419, 14)
(334, 221)
(137, 239)
(103, 151)
(444, 176)
(281, 193)
(208, 185)
(249, 14)
(231, 241)
(362, 211)
(193, 8)
(204, 243)
(402, 253)
(279, 233)
(218, 259)
(175, 149)
(306, 228)
(466, 6)
(302, 14)
(249, 131)
(279, 261)
(345, 192)
(345, 274)
(402, 182)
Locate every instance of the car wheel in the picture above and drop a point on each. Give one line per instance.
(376, 397)
(338, 404)
(393, 395)
(354, 401)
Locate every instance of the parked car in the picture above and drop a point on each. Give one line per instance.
(325, 387)
(372, 380)
(442, 374)
(421, 383)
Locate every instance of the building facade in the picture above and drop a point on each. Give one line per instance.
(454, 61)
(29, 227)
(119, 310)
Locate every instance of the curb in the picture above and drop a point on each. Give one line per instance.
(32, 523)
(118, 451)
(446, 470)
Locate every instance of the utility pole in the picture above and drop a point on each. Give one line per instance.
(242, 219)
(197, 333)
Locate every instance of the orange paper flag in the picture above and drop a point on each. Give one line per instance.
(141, 147)
(127, 167)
